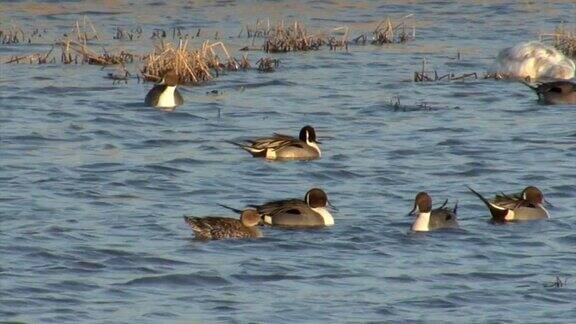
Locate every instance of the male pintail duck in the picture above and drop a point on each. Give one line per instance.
(428, 219)
(217, 228)
(285, 147)
(533, 60)
(310, 212)
(526, 205)
(556, 92)
(165, 94)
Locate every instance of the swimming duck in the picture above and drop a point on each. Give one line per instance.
(556, 93)
(310, 212)
(285, 147)
(533, 60)
(165, 94)
(217, 228)
(526, 205)
(428, 219)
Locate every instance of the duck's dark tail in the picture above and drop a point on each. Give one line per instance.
(498, 213)
(239, 211)
(531, 85)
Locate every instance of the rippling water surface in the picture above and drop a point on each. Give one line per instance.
(94, 184)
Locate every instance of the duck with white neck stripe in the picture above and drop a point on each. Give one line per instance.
(527, 205)
(428, 219)
(311, 212)
(285, 147)
(165, 94)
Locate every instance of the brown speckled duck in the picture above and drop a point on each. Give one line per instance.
(218, 228)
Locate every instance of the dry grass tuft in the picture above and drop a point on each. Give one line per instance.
(563, 39)
(291, 38)
(194, 66)
(388, 32)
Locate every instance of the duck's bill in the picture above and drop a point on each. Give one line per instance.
(331, 206)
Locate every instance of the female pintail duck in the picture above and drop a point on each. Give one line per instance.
(285, 147)
(526, 205)
(217, 228)
(428, 219)
(533, 60)
(556, 92)
(165, 94)
(310, 212)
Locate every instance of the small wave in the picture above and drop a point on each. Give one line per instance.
(179, 280)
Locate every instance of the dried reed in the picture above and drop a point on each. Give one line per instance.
(291, 38)
(89, 56)
(16, 35)
(563, 39)
(423, 75)
(194, 67)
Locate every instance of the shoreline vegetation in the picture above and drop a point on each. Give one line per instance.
(195, 64)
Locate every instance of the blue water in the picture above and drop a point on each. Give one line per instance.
(94, 184)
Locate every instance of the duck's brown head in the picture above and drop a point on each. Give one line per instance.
(250, 217)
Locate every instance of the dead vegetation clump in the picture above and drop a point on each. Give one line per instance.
(75, 52)
(268, 64)
(36, 58)
(424, 75)
(291, 38)
(563, 39)
(388, 32)
(16, 35)
(194, 66)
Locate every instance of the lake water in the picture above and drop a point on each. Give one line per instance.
(95, 184)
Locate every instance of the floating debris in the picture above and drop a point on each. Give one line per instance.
(563, 39)
(558, 283)
(291, 38)
(424, 76)
(36, 58)
(268, 64)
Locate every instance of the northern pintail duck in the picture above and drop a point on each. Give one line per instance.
(533, 60)
(556, 92)
(310, 212)
(428, 219)
(217, 228)
(526, 205)
(285, 147)
(165, 94)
